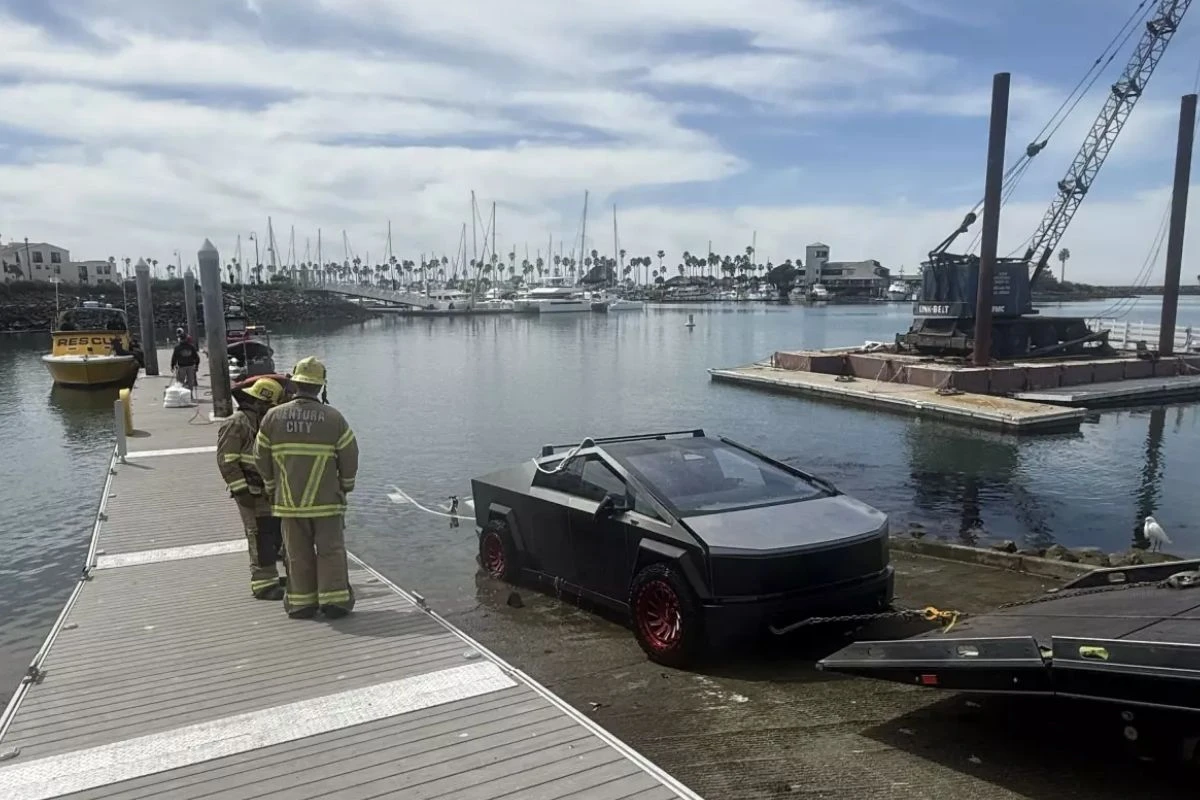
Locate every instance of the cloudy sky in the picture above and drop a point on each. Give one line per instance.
(139, 127)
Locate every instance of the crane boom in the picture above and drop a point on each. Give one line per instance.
(1122, 97)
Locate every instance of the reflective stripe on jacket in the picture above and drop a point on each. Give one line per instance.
(235, 452)
(308, 458)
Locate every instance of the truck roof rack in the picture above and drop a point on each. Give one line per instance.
(550, 449)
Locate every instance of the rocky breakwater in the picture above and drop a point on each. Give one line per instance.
(31, 306)
(1062, 563)
(1087, 556)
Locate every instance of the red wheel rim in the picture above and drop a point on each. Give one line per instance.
(493, 555)
(658, 615)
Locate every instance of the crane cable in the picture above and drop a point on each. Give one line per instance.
(1014, 174)
(1121, 308)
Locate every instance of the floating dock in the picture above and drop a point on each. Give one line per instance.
(1119, 393)
(1020, 397)
(978, 410)
(162, 677)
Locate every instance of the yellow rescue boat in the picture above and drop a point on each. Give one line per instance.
(91, 347)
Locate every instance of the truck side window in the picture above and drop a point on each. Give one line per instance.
(599, 481)
(566, 480)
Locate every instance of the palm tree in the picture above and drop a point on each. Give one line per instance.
(1063, 255)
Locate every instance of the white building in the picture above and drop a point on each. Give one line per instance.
(816, 256)
(853, 277)
(41, 261)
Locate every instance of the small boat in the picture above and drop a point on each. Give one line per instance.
(818, 293)
(250, 358)
(91, 348)
(898, 291)
(238, 329)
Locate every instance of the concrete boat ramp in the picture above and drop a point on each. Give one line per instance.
(162, 677)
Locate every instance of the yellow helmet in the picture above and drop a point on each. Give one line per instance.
(267, 390)
(309, 370)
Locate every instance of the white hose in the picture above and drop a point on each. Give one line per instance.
(571, 454)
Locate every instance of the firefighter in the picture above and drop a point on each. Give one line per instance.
(235, 459)
(308, 458)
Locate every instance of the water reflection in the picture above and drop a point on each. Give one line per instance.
(977, 478)
(81, 413)
(1149, 491)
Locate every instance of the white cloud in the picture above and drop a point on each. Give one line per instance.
(383, 109)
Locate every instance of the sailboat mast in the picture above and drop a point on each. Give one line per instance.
(474, 239)
(494, 253)
(271, 245)
(582, 236)
(616, 247)
(320, 262)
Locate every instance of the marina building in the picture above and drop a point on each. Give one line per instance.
(844, 277)
(42, 261)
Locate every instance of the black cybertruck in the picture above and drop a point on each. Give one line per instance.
(697, 539)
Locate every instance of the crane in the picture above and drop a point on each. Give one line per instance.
(1104, 131)
(946, 309)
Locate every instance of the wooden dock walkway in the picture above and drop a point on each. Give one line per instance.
(162, 677)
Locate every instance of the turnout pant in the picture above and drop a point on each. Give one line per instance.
(263, 539)
(186, 376)
(316, 563)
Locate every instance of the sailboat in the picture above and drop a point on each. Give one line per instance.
(610, 301)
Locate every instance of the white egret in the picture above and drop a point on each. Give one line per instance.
(1154, 534)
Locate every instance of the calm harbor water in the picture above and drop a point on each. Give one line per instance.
(435, 401)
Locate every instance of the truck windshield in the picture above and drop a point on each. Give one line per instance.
(702, 476)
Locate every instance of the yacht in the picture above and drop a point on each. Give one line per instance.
(553, 300)
(613, 302)
(898, 291)
(817, 292)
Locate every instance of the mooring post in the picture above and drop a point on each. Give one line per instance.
(214, 329)
(990, 233)
(146, 315)
(1179, 201)
(189, 303)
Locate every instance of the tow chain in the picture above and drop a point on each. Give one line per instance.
(947, 619)
(1180, 580)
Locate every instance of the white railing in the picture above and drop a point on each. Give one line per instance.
(1124, 335)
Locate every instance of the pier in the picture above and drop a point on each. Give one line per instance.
(163, 677)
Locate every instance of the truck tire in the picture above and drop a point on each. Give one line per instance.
(498, 553)
(666, 617)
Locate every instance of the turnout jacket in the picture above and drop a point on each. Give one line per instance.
(235, 452)
(308, 458)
